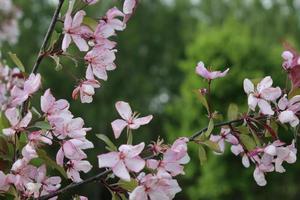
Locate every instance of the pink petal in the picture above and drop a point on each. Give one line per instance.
(152, 163)
(32, 84)
(100, 72)
(252, 102)
(138, 193)
(66, 42)
(143, 120)
(78, 18)
(124, 109)
(82, 165)
(265, 107)
(8, 131)
(13, 116)
(271, 94)
(108, 159)
(202, 71)
(132, 151)
(118, 125)
(80, 43)
(120, 170)
(283, 103)
(259, 177)
(128, 6)
(68, 21)
(60, 157)
(26, 120)
(245, 161)
(135, 164)
(248, 86)
(265, 83)
(47, 101)
(287, 55)
(73, 175)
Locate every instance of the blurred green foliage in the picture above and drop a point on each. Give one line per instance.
(156, 59)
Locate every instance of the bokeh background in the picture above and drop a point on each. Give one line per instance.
(156, 60)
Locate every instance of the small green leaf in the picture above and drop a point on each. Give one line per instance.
(243, 130)
(51, 163)
(247, 141)
(107, 141)
(36, 112)
(42, 125)
(209, 128)
(212, 145)
(56, 59)
(202, 154)
(53, 40)
(90, 22)
(4, 123)
(232, 112)
(129, 186)
(17, 61)
(203, 101)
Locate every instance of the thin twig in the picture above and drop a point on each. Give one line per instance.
(74, 185)
(42, 49)
(198, 133)
(47, 37)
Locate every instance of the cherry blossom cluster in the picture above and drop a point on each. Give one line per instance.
(9, 28)
(70, 134)
(164, 164)
(13, 89)
(100, 49)
(266, 159)
(273, 104)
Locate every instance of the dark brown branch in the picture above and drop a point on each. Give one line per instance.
(47, 37)
(74, 185)
(42, 49)
(198, 133)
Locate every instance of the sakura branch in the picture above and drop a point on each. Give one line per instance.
(134, 170)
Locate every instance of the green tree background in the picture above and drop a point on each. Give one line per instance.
(156, 60)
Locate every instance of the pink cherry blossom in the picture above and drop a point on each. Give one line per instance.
(287, 154)
(74, 167)
(129, 119)
(124, 161)
(72, 128)
(73, 150)
(86, 88)
(155, 187)
(17, 123)
(173, 159)
(21, 174)
(56, 111)
(50, 106)
(292, 65)
(209, 75)
(111, 23)
(41, 184)
(288, 110)
(225, 135)
(263, 95)
(31, 85)
(100, 60)
(73, 30)
(34, 141)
